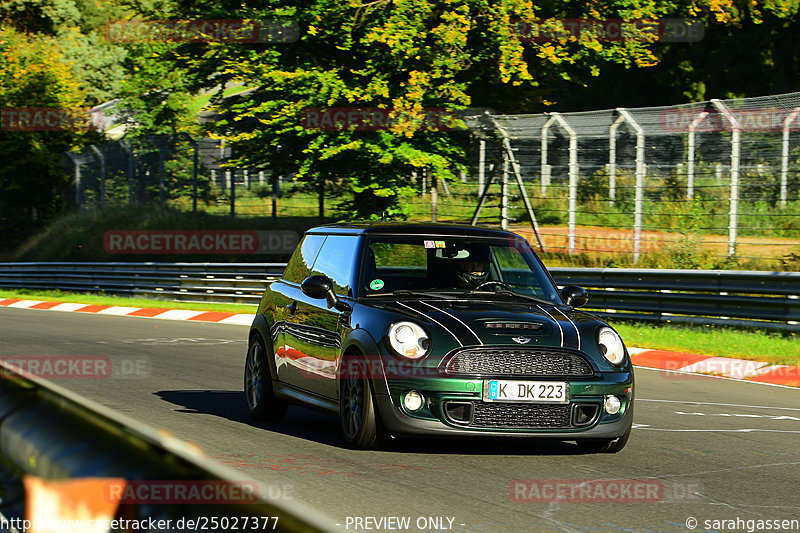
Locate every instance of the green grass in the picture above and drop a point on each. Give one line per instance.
(104, 299)
(756, 345)
(775, 348)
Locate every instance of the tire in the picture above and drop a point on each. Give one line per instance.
(261, 402)
(358, 420)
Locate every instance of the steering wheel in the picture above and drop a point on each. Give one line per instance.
(497, 283)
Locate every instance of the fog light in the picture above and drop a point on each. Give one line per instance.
(413, 400)
(612, 405)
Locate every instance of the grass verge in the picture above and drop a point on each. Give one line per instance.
(756, 345)
(771, 347)
(104, 299)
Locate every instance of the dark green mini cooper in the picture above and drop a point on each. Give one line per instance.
(429, 329)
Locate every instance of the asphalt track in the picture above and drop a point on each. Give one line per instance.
(715, 449)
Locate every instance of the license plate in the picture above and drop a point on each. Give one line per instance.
(500, 390)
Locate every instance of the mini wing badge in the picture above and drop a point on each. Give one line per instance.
(521, 340)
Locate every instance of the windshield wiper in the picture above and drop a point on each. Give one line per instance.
(508, 292)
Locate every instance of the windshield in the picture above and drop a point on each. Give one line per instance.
(433, 265)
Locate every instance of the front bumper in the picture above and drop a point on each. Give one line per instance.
(433, 419)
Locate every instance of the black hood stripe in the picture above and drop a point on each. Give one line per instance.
(461, 322)
(574, 325)
(560, 329)
(429, 317)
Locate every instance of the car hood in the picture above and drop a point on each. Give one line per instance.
(499, 321)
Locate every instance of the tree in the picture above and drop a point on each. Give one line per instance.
(32, 75)
(405, 57)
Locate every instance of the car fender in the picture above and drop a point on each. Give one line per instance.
(261, 327)
(361, 340)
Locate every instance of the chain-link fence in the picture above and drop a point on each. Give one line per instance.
(175, 171)
(703, 185)
(709, 182)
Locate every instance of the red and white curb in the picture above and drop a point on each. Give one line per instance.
(717, 366)
(684, 363)
(147, 312)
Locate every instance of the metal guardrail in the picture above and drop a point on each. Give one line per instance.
(741, 298)
(50, 434)
(198, 282)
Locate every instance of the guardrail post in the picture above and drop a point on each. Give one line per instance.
(736, 132)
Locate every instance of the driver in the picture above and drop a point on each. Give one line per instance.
(473, 269)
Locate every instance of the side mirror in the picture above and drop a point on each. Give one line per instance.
(575, 296)
(319, 287)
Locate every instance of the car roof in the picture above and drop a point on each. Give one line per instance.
(407, 228)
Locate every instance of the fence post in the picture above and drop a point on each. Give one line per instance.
(785, 156)
(612, 159)
(129, 153)
(101, 158)
(276, 188)
(321, 200)
(504, 197)
(690, 158)
(232, 176)
(195, 171)
(736, 132)
(77, 163)
(434, 195)
(481, 165)
(161, 176)
(639, 186)
(573, 171)
(544, 173)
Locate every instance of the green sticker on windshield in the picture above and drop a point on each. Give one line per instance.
(376, 284)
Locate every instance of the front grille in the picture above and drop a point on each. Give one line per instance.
(519, 362)
(520, 416)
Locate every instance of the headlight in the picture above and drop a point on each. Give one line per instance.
(408, 339)
(611, 346)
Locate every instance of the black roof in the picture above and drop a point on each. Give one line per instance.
(408, 228)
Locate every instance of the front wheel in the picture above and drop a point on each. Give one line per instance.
(261, 402)
(358, 419)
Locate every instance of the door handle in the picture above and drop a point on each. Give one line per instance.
(292, 307)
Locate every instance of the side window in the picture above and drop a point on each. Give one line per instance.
(337, 260)
(299, 266)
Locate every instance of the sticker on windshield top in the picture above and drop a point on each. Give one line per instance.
(376, 284)
(440, 244)
(429, 244)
